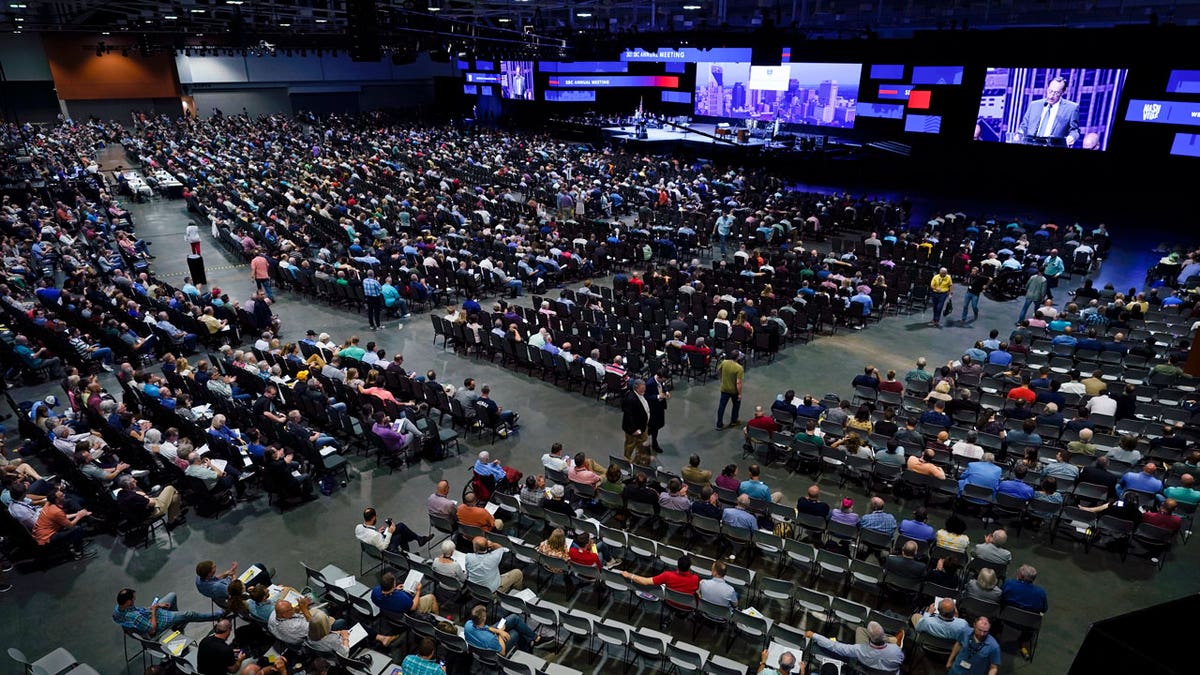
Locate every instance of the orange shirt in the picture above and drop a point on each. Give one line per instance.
(260, 268)
(50, 521)
(477, 516)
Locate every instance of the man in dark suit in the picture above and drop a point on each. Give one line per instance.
(905, 564)
(657, 397)
(1099, 474)
(1052, 116)
(635, 417)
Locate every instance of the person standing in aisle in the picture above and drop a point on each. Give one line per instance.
(192, 235)
(1035, 292)
(731, 374)
(260, 271)
(657, 396)
(373, 292)
(939, 289)
(976, 284)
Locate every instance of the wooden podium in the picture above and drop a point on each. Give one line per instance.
(1192, 367)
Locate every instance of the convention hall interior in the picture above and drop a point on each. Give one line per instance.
(547, 337)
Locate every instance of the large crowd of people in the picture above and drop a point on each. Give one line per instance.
(390, 218)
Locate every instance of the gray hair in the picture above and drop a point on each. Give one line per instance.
(484, 456)
(989, 457)
(876, 634)
(126, 482)
(448, 548)
(153, 436)
(1027, 573)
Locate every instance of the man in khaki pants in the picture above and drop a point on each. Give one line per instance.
(138, 505)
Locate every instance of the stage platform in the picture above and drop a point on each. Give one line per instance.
(700, 133)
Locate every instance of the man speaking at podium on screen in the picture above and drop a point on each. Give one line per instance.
(1053, 116)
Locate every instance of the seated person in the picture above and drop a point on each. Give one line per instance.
(215, 586)
(159, 618)
(392, 600)
(136, 506)
(500, 638)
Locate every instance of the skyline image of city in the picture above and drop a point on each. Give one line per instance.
(818, 94)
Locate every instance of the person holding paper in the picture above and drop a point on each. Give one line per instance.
(483, 567)
(500, 638)
(787, 664)
(396, 600)
(216, 586)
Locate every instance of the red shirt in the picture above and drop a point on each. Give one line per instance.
(585, 557)
(764, 422)
(1166, 521)
(1022, 393)
(893, 386)
(682, 582)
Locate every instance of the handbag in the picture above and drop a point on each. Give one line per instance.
(949, 307)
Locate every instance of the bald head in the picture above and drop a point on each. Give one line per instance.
(946, 608)
(443, 487)
(814, 492)
(1085, 435)
(876, 504)
(284, 610)
(1150, 469)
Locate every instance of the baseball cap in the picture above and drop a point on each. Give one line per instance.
(51, 400)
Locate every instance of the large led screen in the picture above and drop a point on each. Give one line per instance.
(1056, 107)
(516, 80)
(819, 94)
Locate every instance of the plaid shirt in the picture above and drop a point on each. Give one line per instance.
(880, 521)
(137, 619)
(371, 287)
(415, 665)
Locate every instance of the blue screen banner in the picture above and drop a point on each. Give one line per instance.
(1164, 112)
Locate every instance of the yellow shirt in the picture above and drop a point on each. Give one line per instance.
(941, 283)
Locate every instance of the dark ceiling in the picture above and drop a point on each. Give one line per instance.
(299, 22)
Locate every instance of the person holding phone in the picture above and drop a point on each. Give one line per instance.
(423, 663)
(215, 656)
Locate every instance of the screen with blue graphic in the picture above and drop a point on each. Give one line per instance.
(516, 80)
(923, 124)
(570, 95)
(1164, 112)
(1054, 107)
(818, 94)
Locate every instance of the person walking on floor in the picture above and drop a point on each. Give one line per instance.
(939, 289)
(192, 236)
(731, 374)
(1035, 292)
(976, 284)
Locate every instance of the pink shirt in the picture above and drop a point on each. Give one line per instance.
(260, 268)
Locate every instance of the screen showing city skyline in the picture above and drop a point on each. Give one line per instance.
(818, 94)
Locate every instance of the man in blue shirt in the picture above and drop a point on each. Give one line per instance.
(392, 599)
(976, 652)
(739, 516)
(878, 519)
(916, 528)
(500, 638)
(757, 489)
(216, 586)
(1016, 486)
(984, 472)
(936, 417)
(1143, 481)
(1022, 593)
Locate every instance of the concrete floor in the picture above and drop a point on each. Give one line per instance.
(70, 604)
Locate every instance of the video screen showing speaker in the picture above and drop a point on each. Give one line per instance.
(1050, 107)
(817, 94)
(516, 80)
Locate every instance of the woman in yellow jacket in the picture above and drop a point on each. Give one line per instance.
(939, 288)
